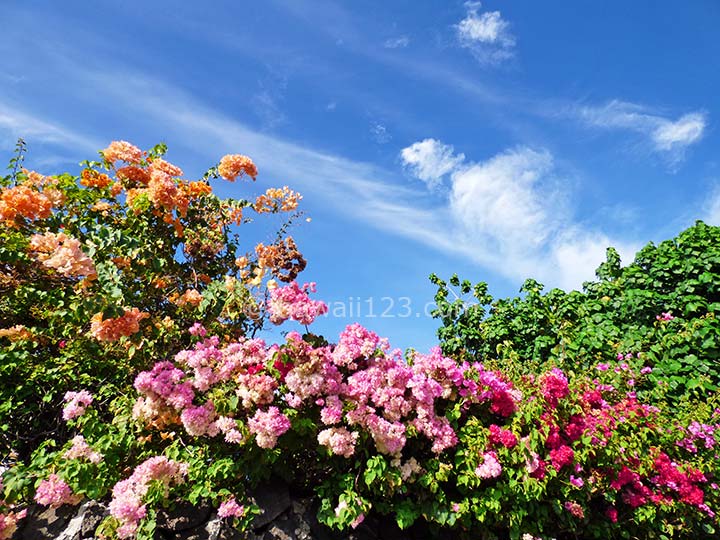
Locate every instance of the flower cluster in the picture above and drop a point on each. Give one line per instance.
(277, 200)
(230, 508)
(62, 253)
(123, 151)
(282, 259)
(490, 466)
(267, 426)
(80, 449)
(24, 201)
(95, 179)
(234, 165)
(127, 497)
(293, 302)
(9, 518)
(76, 402)
(114, 328)
(54, 492)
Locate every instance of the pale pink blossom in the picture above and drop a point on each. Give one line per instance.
(76, 402)
(230, 508)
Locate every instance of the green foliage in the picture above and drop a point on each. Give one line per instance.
(150, 244)
(615, 314)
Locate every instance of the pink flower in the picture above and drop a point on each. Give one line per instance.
(356, 342)
(267, 426)
(293, 302)
(8, 523)
(230, 508)
(54, 492)
(575, 509)
(198, 330)
(127, 498)
(502, 436)
(490, 467)
(339, 440)
(81, 449)
(664, 317)
(605, 367)
(576, 481)
(357, 521)
(199, 421)
(612, 514)
(76, 404)
(554, 386)
(561, 456)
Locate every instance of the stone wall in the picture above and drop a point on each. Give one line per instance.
(283, 518)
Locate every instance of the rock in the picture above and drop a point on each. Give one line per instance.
(273, 498)
(42, 523)
(95, 512)
(182, 517)
(219, 529)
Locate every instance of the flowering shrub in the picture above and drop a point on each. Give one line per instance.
(663, 306)
(488, 447)
(452, 443)
(101, 273)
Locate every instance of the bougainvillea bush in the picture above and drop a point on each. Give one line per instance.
(481, 447)
(103, 272)
(421, 438)
(663, 304)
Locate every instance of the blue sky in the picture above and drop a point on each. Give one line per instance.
(500, 140)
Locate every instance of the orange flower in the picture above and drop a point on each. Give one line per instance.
(113, 329)
(162, 190)
(93, 178)
(277, 200)
(23, 201)
(62, 253)
(133, 174)
(15, 333)
(197, 189)
(190, 297)
(234, 165)
(123, 151)
(35, 178)
(159, 164)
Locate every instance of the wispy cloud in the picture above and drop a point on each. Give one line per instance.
(15, 123)
(526, 237)
(666, 136)
(430, 160)
(380, 133)
(509, 213)
(399, 42)
(266, 101)
(503, 199)
(487, 35)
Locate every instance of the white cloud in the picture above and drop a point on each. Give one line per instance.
(487, 35)
(397, 43)
(429, 160)
(509, 213)
(679, 134)
(503, 199)
(517, 187)
(665, 136)
(576, 253)
(15, 123)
